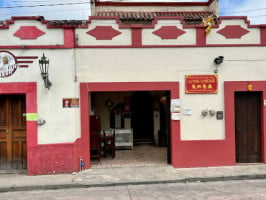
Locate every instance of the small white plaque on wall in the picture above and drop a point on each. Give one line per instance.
(175, 116)
(187, 111)
(264, 102)
(175, 105)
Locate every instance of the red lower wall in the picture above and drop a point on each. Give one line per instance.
(204, 154)
(48, 159)
(57, 158)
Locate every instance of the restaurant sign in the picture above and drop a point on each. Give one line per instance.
(201, 84)
(8, 64)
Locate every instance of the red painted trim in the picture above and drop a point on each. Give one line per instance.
(201, 37)
(236, 17)
(69, 38)
(69, 35)
(230, 87)
(136, 34)
(26, 57)
(263, 36)
(104, 32)
(168, 32)
(86, 88)
(233, 31)
(28, 33)
(171, 46)
(23, 66)
(37, 47)
(130, 46)
(24, 61)
(69, 41)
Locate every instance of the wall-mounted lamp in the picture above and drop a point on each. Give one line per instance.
(44, 66)
(218, 60)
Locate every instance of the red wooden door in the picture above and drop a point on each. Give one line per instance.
(248, 127)
(13, 151)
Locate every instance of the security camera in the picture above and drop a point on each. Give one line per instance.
(218, 60)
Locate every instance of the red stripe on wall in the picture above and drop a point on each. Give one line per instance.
(24, 61)
(136, 37)
(201, 36)
(263, 36)
(26, 57)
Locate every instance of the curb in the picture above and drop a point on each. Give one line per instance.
(79, 185)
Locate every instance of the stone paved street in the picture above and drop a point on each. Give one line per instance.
(218, 190)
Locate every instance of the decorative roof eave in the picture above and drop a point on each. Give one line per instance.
(49, 23)
(150, 16)
(112, 3)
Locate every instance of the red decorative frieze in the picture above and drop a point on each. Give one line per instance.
(233, 31)
(104, 32)
(28, 33)
(169, 32)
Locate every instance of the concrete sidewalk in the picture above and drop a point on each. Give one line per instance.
(130, 175)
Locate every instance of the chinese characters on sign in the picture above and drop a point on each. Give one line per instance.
(201, 84)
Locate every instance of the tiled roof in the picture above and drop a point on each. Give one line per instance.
(66, 22)
(149, 16)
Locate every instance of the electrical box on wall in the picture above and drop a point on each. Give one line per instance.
(219, 115)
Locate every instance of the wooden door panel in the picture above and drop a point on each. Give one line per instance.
(13, 154)
(24, 155)
(248, 126)
(3, 155)
(18, 148)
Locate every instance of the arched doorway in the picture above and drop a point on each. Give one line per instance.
(142, 116)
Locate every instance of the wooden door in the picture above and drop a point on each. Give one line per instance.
(13, 151)
(248, 127)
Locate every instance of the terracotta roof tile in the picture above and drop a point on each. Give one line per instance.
(188, 16)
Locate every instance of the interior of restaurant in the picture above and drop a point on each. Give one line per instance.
(129, 128)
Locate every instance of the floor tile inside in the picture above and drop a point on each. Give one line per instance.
(140, 155)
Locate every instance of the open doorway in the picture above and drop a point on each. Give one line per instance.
(147, 114)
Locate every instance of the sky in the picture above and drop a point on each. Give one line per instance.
(79, 9)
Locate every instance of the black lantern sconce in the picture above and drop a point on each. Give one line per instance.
(218, 60)
(44, 67)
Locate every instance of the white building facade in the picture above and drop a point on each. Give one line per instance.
(214, 85)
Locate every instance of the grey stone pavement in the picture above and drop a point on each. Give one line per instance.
(130, 176)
